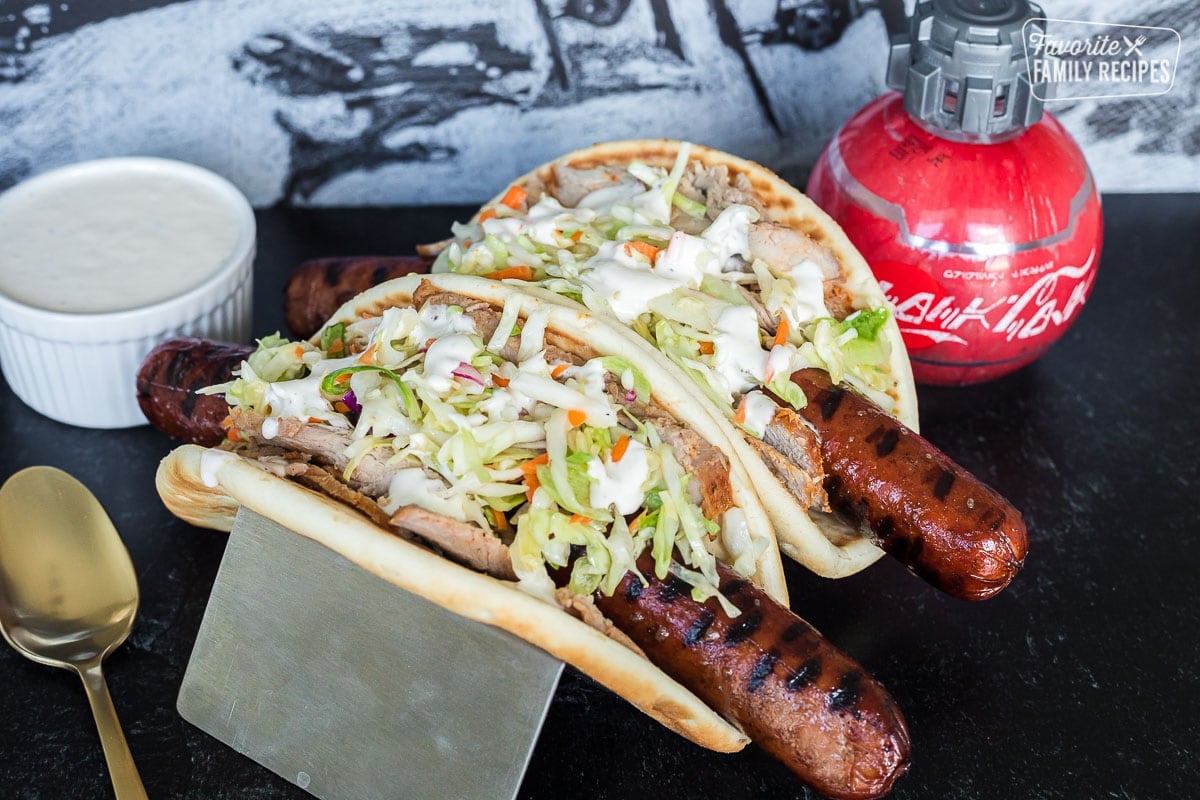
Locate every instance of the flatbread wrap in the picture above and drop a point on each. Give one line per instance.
(508, 458)
(737, 284)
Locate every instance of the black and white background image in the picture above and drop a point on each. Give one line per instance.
(360, 102)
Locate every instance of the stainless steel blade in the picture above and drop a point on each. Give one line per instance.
(353, 688)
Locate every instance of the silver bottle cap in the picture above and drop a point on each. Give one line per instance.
(963, 69)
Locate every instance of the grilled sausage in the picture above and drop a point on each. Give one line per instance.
(319, 287)
(916, 503)
(771, 674)
(169, 377)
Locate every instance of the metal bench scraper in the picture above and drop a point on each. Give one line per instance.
(352, 688)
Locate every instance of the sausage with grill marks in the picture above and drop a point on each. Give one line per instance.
(319, 287)
(910, 497)
(771, 674)
(168, 379)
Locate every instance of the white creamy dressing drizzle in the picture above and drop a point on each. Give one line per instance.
(110, 241)
(444, 357)
(413, 487)
(210, 464)
(437, 321)
(301, 398)
(805, 299)
(621, 282)
(620, 484)
(759, 411)
(744, 548)
(296, 399)
(738, 358)
(546, 219)
(729, 233)
(686, 260)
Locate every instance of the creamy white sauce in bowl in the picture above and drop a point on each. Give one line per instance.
(112, 240)
(102, 260)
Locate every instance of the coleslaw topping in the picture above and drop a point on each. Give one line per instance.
(544, 456)
(700, 298)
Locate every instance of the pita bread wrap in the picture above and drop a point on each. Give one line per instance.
(207, 486)
(716, 187)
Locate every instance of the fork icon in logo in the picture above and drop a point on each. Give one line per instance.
(1135, 45)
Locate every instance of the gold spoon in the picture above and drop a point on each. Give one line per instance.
(68, 593)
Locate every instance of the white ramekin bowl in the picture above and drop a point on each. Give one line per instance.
(80, 368)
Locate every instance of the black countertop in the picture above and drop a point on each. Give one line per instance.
(1079, 681)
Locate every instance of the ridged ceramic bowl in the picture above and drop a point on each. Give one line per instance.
(77, 364)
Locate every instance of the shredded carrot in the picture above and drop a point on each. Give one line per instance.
(299, 351)
(637, 522)
(514, 197)
(578, 518)
(740, 415)
(706, 347)
(315, 420)
(488, 213)
(559, 369)
(500, 521)
(781, 333)
(648, 250)
(521, 273)
(368, 356)
(227, 423)
(530, 466)
(575, 236)
(500, 381)
(576, 417)
(234, 435)
(618, 451)
(345, 376)
(337, 347)
(341, 407)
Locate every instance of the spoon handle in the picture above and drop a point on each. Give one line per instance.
(125, 779)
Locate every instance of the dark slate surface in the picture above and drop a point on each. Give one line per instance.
(1080, 681)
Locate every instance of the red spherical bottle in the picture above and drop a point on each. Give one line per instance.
(977, 213)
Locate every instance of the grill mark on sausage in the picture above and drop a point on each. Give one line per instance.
(944, 482)
(633, 591)
(793, 632)
(762, 670)
(188, 406)
(888, 443)
(672, 589)
(333, 273)
(177, 367)
(744, 628)
(380, 274)
(887, 527)
(831, 400)
(732, 588)
(847, 692)
(808, 672)
(699, 628)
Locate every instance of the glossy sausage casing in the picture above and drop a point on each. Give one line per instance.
(910, 497)
(771, 674)
(319, 287)
(169, 377)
